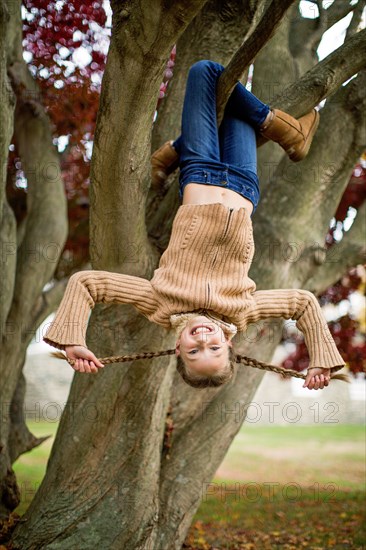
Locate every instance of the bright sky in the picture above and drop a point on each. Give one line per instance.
(333, 38)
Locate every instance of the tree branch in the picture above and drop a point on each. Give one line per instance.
(200, 446)
(122, 138)
(21, 439)
(340, 257)
(356, 18)
(338, 10)
(306, 34)
(8, 261)
(321, 26)
(46, 220)
(325, 78)
(320, 179)
(249, 49)
(7, 218)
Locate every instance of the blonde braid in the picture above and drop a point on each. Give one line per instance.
(241, 359)
(285, 373)
(120, 358)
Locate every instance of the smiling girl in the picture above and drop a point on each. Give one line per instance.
(201, 288)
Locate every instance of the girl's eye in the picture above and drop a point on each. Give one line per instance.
(193, 351)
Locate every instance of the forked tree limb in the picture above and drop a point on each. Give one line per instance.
(356, 18)
(325, 78)
(322, 80)
(319, 82)
(338, 10)
(46, 221)
(316, 84)
(307, 33)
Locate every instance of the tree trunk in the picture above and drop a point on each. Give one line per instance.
(9, 493)
(136, 528)
(27, 264)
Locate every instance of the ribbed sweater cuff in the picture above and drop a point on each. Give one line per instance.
(70, 324)
(322, 349)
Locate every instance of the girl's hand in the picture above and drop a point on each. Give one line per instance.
(317, 379)
(85, 360)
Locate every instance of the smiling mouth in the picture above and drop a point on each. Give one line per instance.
(201, 329)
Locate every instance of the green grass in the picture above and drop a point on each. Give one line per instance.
(294, 435)
(273, 522)
(295, 487)
(31, 467)
(300, 454)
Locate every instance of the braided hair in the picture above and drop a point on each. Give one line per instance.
(233, 357)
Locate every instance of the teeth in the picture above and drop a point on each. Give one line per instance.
(202, 330)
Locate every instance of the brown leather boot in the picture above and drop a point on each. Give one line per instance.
(294, 136)
(163, 162)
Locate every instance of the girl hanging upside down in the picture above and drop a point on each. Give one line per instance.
(201, 288)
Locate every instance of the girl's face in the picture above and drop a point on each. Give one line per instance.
(203, 346)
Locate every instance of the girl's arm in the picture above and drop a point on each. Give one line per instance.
(302, 306)
(83, 291)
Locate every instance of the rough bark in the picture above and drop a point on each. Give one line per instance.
(27, 265)
(274, 69)
(21, 439)
(306, 34)
(353, 27)
(7, 220)
(310, 192)
(339, 9)
(325, 78)
(248, 51)
(286, 57)
(146, 454)
(9, 494)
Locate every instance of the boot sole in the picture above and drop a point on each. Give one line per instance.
(300, 154)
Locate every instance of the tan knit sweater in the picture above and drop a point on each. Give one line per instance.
(206, 267)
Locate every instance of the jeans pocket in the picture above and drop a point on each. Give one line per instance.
(190, 231)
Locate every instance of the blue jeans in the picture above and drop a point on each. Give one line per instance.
(226, 157)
